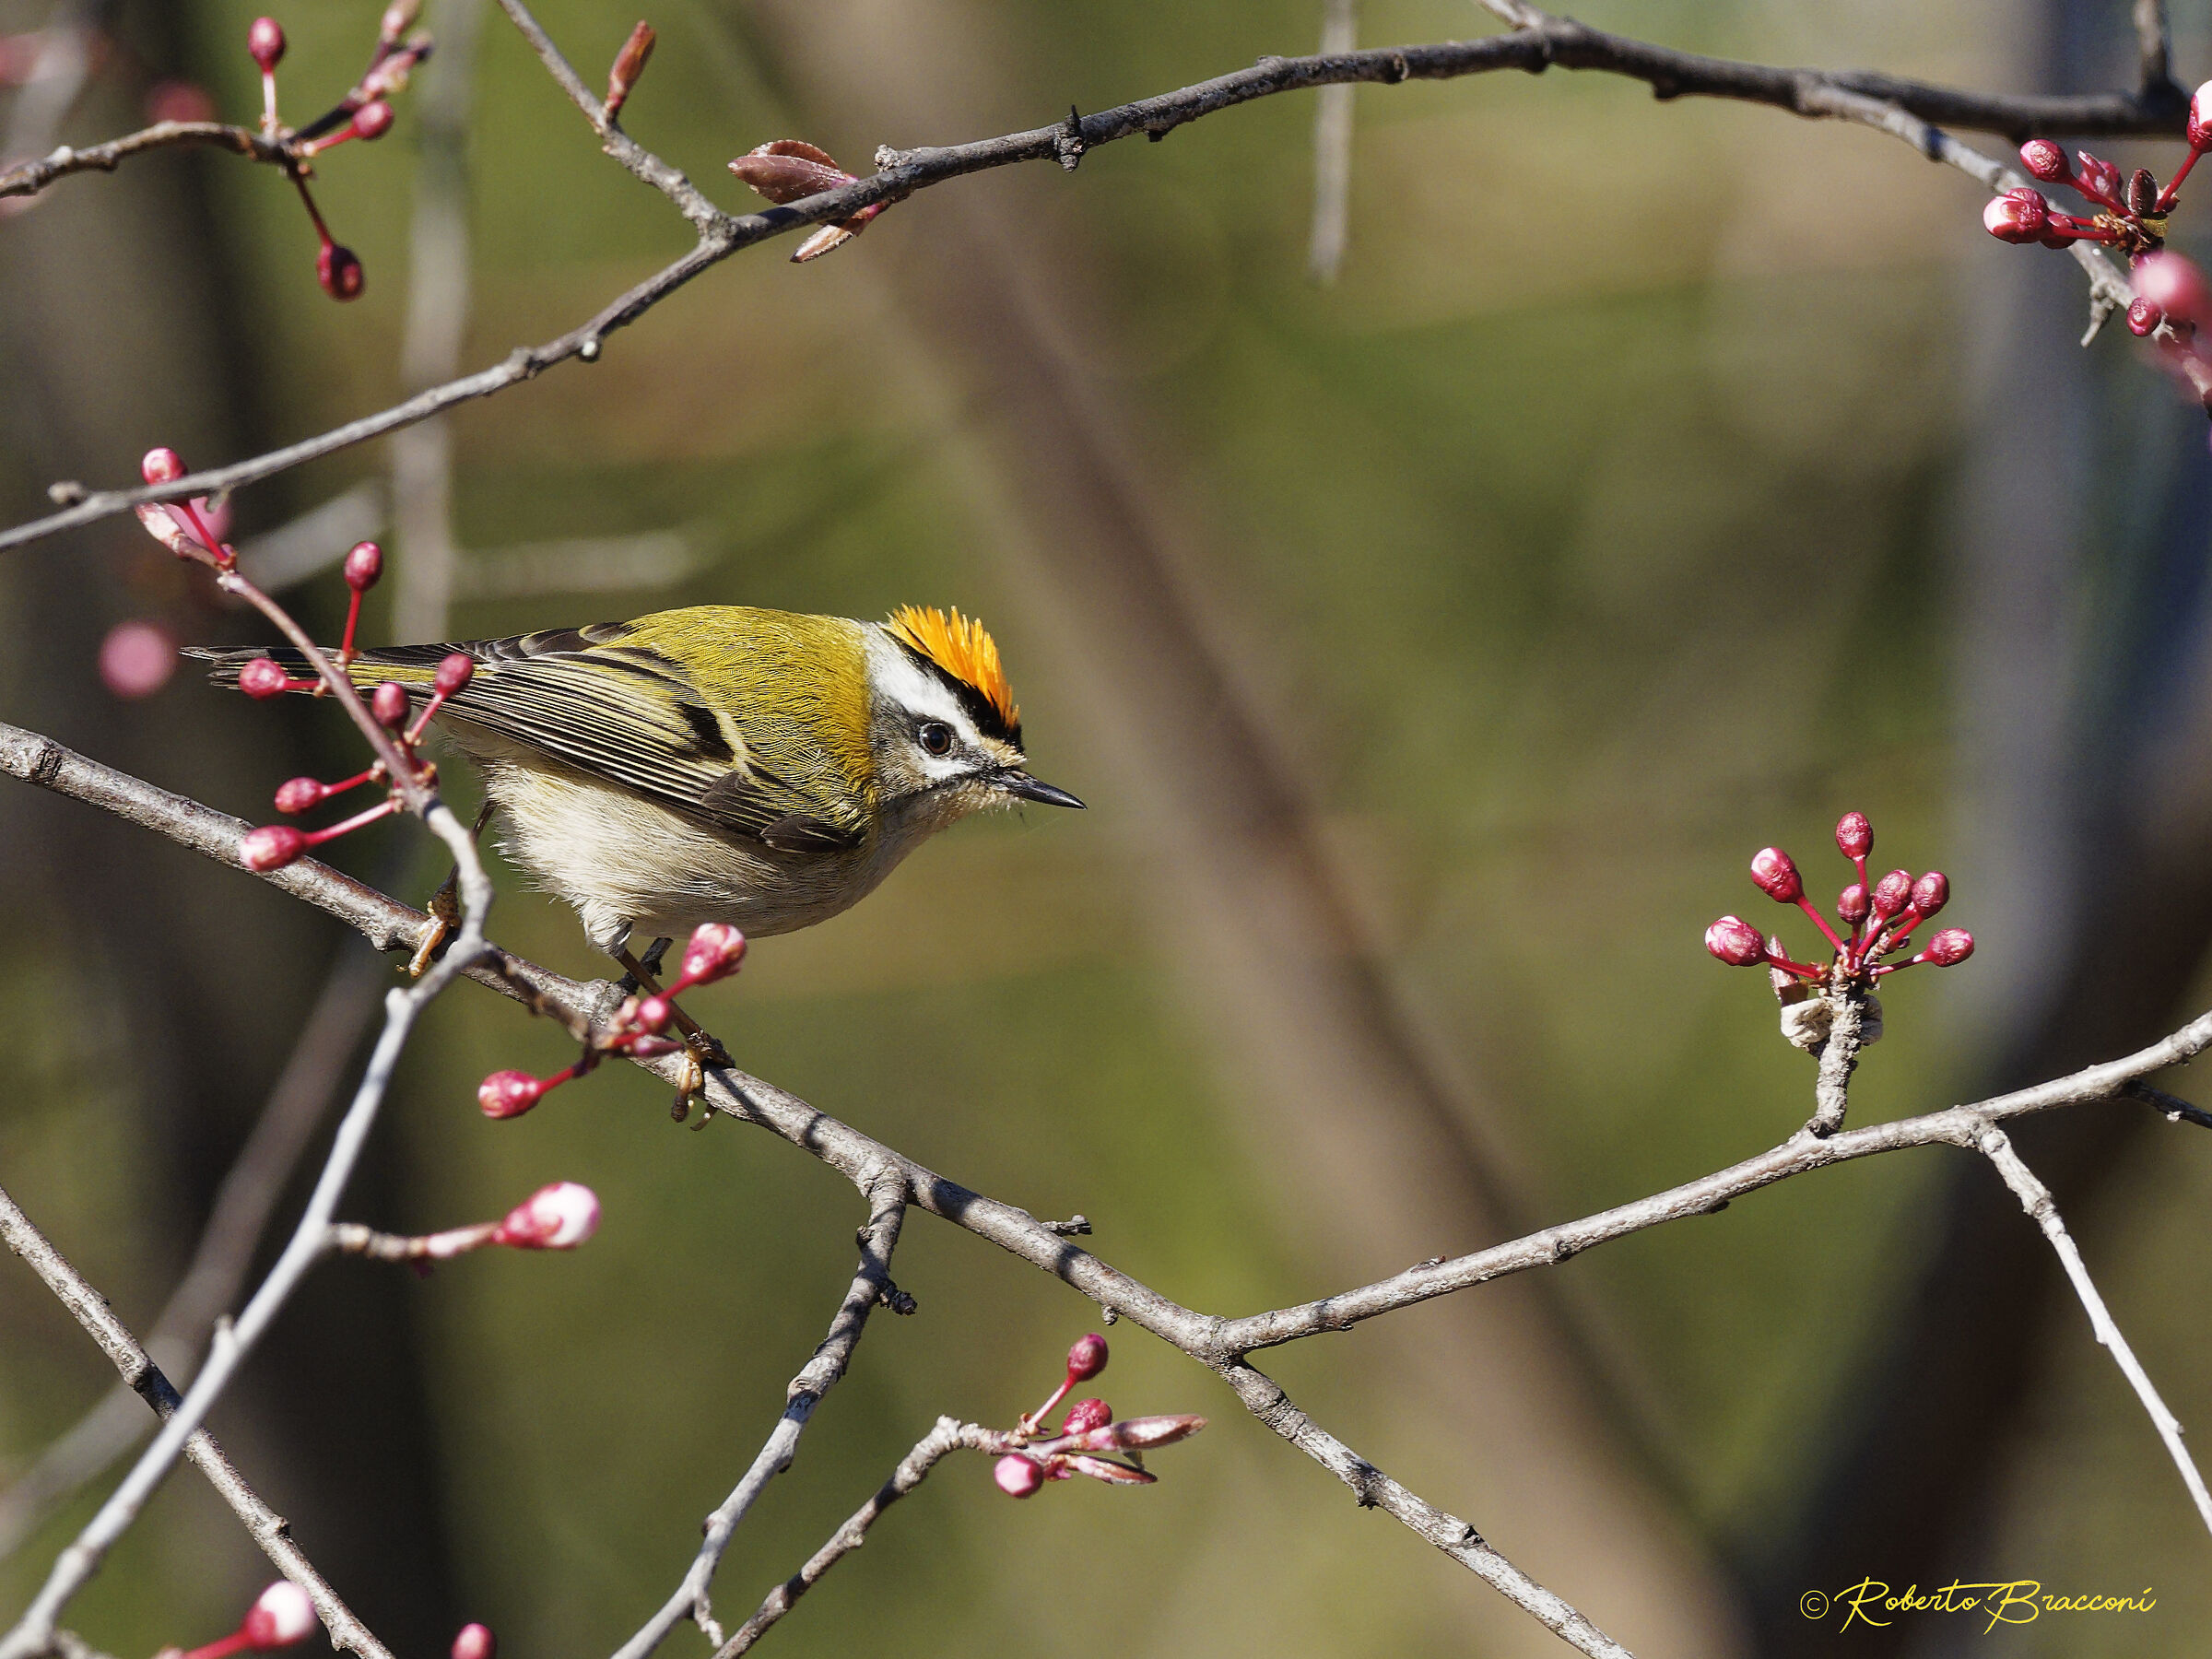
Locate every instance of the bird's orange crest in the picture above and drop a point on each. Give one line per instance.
(958, 645)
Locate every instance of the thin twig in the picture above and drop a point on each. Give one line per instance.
(235, 1224)
(2174, 1107)
(2035, 1198)
(90, 1310)
(871, 1285)
(949, 1435)
(1908, 109)
(31, 177)
(1333, 147)
(1839, 1058)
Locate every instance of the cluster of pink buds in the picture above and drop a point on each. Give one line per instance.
(280, 1615)
(1035, 1454)
(789, 170)
(365, 114)
(715, 951)
(559, 1217)
(1879, 919)
(273, 846)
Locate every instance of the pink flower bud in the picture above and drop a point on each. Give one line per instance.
(340, 271)
(454, 672)
(162, 466)
(1950, 948)
(137, 659)
(264, 43)
(280, 1615)
(1115, 1474)
(399, 16)
(300, 794)
(653, 1014)
(1890, 894)
(1086, 1415)
(372, 120)
(1931, 892)
(1776, 876)
(262, 678)
(1087, 1358)
(388, 702)
(364, 564)
(2199, 126)
(1854, 835)
(1736, 942)
(1139, 1434)
(2175, 286)
(2143, 317)
(2099, 177)
(629, 63)
(559, 1217)
(2019, 216)
(1852, 904)
(1017, 1476)
(507, 1094)
(714, 952)
(271, 847)
(475, 1640)
(2044, 161)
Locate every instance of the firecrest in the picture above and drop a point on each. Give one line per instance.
(720, 763)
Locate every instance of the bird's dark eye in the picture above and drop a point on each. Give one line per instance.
(936, 737)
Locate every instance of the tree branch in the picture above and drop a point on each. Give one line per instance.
(269, 1530)
(31, 177)
(1907, 109)
(871, 1285)
(2042, 1209)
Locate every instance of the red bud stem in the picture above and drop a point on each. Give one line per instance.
(353, 621)
(1819, 921)
(2173, 185)
(384, 808)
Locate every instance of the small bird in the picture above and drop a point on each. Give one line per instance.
(720, 763)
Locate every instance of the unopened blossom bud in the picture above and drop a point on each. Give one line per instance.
(507, 1094)
(1777, 876)
(653, 1014)
(2098, 176)
(364, 563)
(262, 678)
(340, 271)
(714, 952)
(2175, 286)
(1086, 1415)
(271, 847)
(1087, 1358)
(1854, 835)
(1891, 892)
(399, 16)
(280, 1615)
(388, 702)
(162, 466)
(1950, 947)
(1141, 1434)
(454, 672)
(475, 1641)
(2142, 194)
(264, 43)
(1852, 904)
(629, 63)
(1736, 942)
(300, 794)
(1931, 892)
(2143, 317)
(2199, 127)
(372, 120)
(559, 1217)
(2018, 215)
(2044, 161)
(1017, 1476)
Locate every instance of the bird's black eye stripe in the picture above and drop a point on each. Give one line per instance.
(935, 736)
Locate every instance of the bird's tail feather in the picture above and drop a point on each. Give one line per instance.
(409, 665)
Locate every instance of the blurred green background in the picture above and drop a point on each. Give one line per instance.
(1656, 482)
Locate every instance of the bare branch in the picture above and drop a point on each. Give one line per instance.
(31, 177)
(949, 1435)
(90, 1310)
(1905, 108)
(871, 1285)
(2035, 1198)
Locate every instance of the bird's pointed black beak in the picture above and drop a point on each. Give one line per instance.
(1028, 789)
